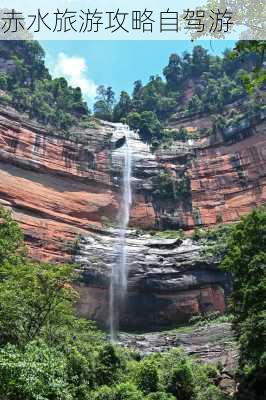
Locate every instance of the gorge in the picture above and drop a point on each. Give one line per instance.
(66, 197)
(132, 238)
(131, 206)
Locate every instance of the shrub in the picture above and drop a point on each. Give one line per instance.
(103, 393)
(246, 260)
(38, 372)
(146, 378)
(127, 391)
(181, 382)
(108, 365)
(160, 396)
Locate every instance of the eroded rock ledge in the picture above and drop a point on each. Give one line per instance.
(213, 343)
(169, 280)
(59, 189)
(209, 344)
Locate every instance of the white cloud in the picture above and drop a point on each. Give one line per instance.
(75, 70)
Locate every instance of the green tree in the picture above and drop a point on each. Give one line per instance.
(173, 72)
(108, 365)
(165, 107)
(11, 239)
(212, 98)
(187, 64)
(218, 124)
(246, 260)
(103, 107)
(137, 90)
(194, 105)
(181, 135)
(136, 96)
(150, 127)
(147, 379)
(21, 99)
(134, 120)
(256, 77)
(160, 396)
(37, 372)
(127, 391)
(110, 97)
(49, 101)
(103, 393)
(123, 107)
(163, 186)
(200, 60)
(102, 111)
(35, 300)
(181, 382)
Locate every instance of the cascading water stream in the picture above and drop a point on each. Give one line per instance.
(118, 287)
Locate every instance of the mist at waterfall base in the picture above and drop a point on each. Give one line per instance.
(118, 285)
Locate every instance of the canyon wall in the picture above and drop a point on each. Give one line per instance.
(169, 280)
(227, 179)
(66, 197)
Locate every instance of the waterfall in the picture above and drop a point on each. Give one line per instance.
(118, 286)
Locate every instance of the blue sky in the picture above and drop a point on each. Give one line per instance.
(115, 63)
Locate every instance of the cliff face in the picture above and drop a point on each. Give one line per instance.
(53, 186)
(60, 191)
(226, 179)
(169, 280)
(56, 188)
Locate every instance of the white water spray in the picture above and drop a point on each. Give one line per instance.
(118, 287)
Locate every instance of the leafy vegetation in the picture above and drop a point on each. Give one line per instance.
(212, 317)
(104, 104)
(169, 234)
(246, 261)
(258, 75)
(213, 240)
(247, 15)
(46, 352)
(168, 187)
(213, 83)
(241, 247)
(29, 88)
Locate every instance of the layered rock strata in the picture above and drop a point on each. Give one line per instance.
(60, 190)
(169, 280)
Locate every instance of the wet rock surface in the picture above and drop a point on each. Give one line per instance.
(59, 189)
(169, 280)
(213, 343)
(208, 344)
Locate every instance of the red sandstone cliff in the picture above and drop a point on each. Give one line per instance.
(53, 187)
(58, 189)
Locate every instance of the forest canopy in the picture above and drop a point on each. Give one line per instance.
(193, 84)
(196, 83)
(48, 353)
(26, 84)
